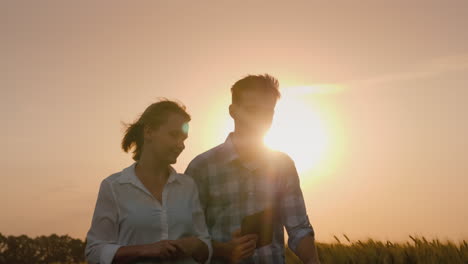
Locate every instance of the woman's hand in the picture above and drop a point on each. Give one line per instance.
(164, 249)
(192, 247)
(187, 245)
(161, 250)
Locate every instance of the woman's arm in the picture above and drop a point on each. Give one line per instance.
(197, 246)
(193, 247)
(165, 249)
(101, 240)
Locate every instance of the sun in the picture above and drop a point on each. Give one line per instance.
(298, 131)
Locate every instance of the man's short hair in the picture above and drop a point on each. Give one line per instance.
(265, 83)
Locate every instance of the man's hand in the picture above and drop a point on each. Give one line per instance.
(241, 247)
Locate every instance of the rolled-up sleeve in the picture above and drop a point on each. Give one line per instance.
(293, 211)
(199, 224)
(101, 240)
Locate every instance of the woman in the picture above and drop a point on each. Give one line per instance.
(148, 212)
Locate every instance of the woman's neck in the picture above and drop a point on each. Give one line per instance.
(148, 169)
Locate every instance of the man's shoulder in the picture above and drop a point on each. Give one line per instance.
(210, 156)
(281, 158)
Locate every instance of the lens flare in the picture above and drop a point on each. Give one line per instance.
(298, 131)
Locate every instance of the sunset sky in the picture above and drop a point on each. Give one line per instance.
(374, 107)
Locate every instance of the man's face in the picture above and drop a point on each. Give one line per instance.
(254, 113)
(167, 141)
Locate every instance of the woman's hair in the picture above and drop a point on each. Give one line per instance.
(154, 116)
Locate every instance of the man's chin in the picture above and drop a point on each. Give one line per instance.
(172, 160)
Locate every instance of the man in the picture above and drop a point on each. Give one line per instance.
(242, 177)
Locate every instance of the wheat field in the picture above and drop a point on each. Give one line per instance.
(66, 250)
(416, 250)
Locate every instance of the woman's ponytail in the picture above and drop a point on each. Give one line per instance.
(133, 139)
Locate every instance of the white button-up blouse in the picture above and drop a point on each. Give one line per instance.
(127, 213)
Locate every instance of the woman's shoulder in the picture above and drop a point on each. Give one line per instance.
(119, 177)
(113, 177)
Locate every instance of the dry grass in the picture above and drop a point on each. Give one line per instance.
(417, 250)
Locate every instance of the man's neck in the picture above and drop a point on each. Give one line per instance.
(247, 147)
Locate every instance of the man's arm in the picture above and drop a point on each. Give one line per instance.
(294, 216)
(307, 250)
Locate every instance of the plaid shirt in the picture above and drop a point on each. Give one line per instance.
(230, 190)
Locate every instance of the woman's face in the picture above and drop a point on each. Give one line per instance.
(167, 141)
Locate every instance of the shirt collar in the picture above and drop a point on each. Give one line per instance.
(229, 154)
(228, 151)
(128, 176)
(173, 176)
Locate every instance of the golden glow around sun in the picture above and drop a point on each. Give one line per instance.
(297, 130)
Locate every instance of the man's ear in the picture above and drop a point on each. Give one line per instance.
(232, 111)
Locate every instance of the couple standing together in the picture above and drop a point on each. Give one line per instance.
(149, 213)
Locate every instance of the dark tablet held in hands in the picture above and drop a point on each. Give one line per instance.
(260, 224)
